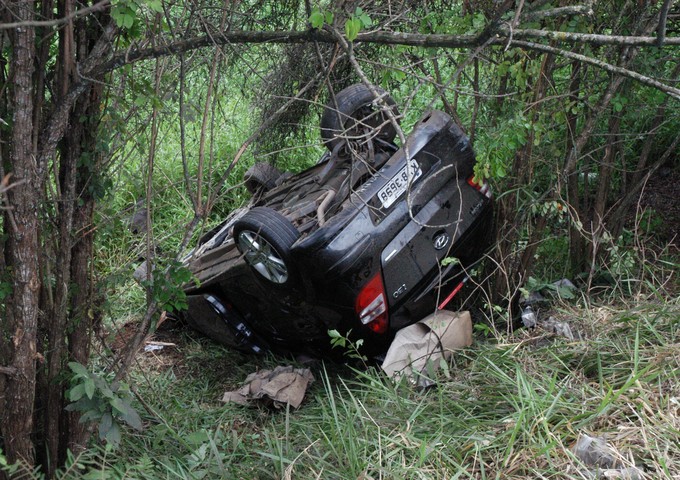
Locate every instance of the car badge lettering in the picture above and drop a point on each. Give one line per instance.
(476, 208)
(399, 291)
(441, 240)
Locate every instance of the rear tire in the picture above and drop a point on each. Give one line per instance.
(265, 238)
(356, 113)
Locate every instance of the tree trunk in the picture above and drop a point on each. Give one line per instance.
(82, 307)
(19, 335)
(83, 314)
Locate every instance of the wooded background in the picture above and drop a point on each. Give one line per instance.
(573, 109)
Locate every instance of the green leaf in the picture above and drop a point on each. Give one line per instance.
(334, 334)
(197, 438)
(365, 20)
(113, 435)
(103, 388)
(446, 261)
(565, 293)
(155, 5)
(316, 19)
(76, 393)
(123, 15)
(78, 369)
(90, 416)
(118, 404)
(444, 366)
(352, 28)
(105, 425)
(478, 21)
(128, 21)
(89, 388)
(131, 417)
(337, 340)
(83, 405)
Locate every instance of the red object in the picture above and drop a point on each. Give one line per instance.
(453, 293)
(371, 305)
(482, 188)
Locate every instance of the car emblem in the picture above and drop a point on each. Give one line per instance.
(441, 240)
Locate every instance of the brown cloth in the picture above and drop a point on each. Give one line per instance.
(428, 340)
(281, 386)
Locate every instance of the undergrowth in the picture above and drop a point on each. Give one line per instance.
(509, 407)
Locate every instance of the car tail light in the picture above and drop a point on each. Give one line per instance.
(482, 187)
(371, 305)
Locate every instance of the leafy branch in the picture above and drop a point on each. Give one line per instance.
(105, 404)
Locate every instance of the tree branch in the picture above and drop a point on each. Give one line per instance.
(589, 38)
(558, 12)
(625, 202)
(380, 38)
(9, 371)
(672, 91)
(225, 175)
(97, 7)
(661, 31)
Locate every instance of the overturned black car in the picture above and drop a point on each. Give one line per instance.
(354, 243)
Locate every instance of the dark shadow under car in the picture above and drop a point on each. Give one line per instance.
(354, 243)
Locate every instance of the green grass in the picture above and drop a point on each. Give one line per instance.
(507, 408)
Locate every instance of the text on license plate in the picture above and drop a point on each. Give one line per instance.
(398, 184)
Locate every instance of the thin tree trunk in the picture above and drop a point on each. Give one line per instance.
(83, 309)
(603, 189)
(475, 108)
(525, 171)
(577, 243)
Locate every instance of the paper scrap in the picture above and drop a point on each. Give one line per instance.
(281, 386)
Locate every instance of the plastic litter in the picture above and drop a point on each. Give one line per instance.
(529, 317)
(594, 452)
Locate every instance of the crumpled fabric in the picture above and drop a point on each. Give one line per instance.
(427, 341)
(279, 387)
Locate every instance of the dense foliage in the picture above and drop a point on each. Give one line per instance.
(151, 110)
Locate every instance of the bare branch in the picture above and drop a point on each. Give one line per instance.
(663, 15)
(97, 7)
(624, 203)
(223, 179)
(380, 38)
(9, 371)
(672, 91)
(589, 38)
(558, 12)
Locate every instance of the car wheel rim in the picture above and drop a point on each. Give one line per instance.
(264, 258)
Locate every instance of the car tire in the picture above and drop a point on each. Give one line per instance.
(355, 106)
(265, 238)
(261, 177)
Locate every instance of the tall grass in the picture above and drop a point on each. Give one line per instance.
(506, 408)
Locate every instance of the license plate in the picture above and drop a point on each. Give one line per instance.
(398, 184)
